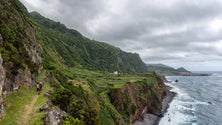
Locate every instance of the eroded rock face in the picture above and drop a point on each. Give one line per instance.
(14, 82)
(55, 117)
(24, 77)
(24, 63)
(2, 81)
(1, 40)
(2, 75)
(137, 99)
(34, 50)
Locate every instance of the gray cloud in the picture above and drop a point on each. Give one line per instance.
(179, 33)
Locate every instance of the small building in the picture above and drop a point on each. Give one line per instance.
(116, 73)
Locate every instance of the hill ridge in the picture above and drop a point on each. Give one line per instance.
(77, 50)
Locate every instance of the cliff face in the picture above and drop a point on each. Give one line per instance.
(135, 99)
(20, 59)
(2, 79)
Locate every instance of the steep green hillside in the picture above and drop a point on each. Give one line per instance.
(18, 45)
(77, 70)
(76, 50)
(159, 67)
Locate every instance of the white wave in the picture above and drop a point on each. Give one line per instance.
(182, 102)
(201, 103)
(174, 116)
(216, 75)
(180, 94)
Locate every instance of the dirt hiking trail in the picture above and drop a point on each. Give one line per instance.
(28, 110)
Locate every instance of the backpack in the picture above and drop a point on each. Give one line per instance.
(40, 86)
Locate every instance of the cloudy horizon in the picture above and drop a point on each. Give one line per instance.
(179, 33)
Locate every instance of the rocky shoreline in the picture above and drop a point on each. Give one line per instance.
(151, 119)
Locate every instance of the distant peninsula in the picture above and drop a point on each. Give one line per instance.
(166, 70)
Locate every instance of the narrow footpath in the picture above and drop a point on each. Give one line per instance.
(28, 110)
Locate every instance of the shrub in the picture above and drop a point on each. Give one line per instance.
(73, 121)
(62, 98)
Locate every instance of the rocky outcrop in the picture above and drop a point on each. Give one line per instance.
(2, 81)
(34, 50)
(45, 107)
(55, 117)
(20, 48)
(1, 40)
(2, 74)
(24, 77)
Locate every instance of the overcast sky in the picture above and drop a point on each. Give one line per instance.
(184, 33)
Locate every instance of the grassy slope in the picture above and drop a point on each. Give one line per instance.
(15, 106)
(36, 116)
(107, 113)
(103, 82)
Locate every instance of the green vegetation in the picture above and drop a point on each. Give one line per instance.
(18, 39)
(36, 116)
(16, 102)
(167, 70)
(96, 92)
(77, 70)
(75, 50)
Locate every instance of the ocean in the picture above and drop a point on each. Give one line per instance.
(198, 100)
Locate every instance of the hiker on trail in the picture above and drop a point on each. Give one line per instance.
(38, 87)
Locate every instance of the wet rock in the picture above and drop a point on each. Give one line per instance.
(55, 117)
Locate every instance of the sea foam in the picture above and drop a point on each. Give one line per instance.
(181, 109)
